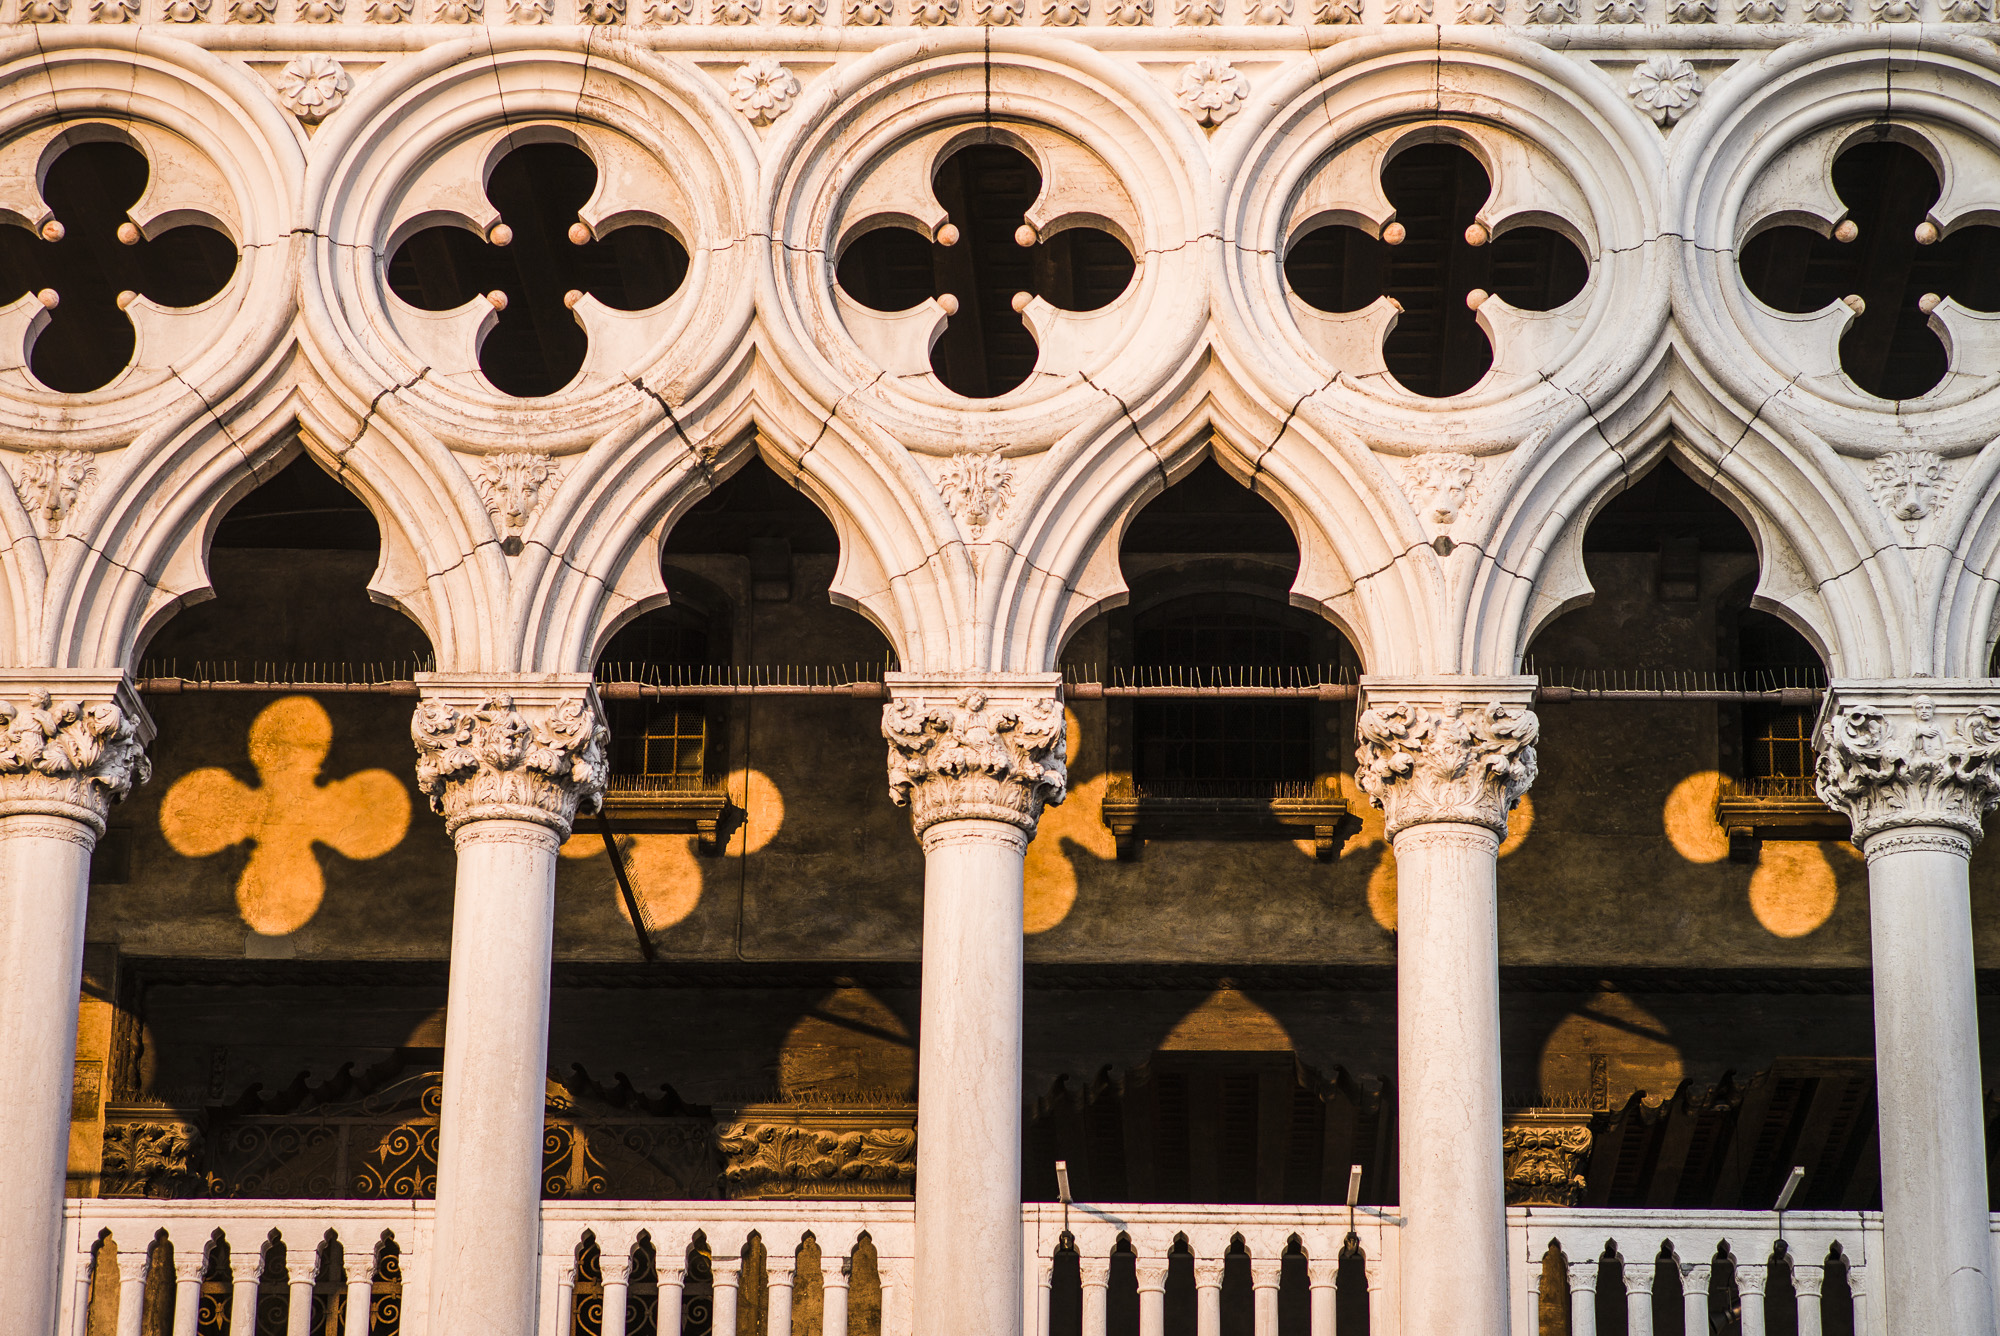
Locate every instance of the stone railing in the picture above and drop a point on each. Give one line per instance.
(345, 1268)
(1802, 1271)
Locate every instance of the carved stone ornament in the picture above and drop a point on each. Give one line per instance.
(494, 761)
(1210, 88)
(513, 485)
(1664, 87)
(976, 755)
(53, 485)
(70, 758)
(1545, 1157)
(152, 1158)
(1442, 486)
(1451, 760)
(1887, 761)
(44, 11)
(313, 86)
(763, 90)
(1909, 484)
(976, 489)
(773, 1159)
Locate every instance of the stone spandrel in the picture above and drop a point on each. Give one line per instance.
(1908, 754)
(962, 750)
(71, 751)
(533, 753)
(1446, 751)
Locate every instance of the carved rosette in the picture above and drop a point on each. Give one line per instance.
(1911, 754)
(987, 752)
(1545, 1157)
(1446, 757)
(536, 760)
(72, 757)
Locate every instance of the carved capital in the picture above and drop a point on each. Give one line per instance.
(1583, 1276)
(510, 748)
(1208, 1273)
(71, 744)
(1450, 749)
(1545, 1153)
(1095, 1272)
(1152, 1276)
(987, 748)
(1918, 752)
(1808, 1279)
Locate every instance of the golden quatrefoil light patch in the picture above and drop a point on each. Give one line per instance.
(285, 814)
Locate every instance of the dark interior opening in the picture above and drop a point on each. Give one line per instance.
(89, 339)
(986, 349)
(300, 507)
(536, 346)
(1890, 349)
(1437, 347)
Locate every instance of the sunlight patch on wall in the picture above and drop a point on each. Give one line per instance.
(1607, 1048)
(663, 870)
(851, 1043)
(284, 815)
(1228, 1019)
(1382, 878)
(1794, 889)
(1065, 835)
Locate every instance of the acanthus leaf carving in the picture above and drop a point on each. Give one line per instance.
(68, 758)
(786, 1160)
(975, 757)
(1461, 763)
(1545, 1160)
(494, 762)
(1890, 764)
(54, 484)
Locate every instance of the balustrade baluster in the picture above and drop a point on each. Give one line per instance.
(833, 1307)
(301, 1270)
(1044, 1269)
(1095, 1273)
(778, 1280)
(1864, 1316)
(132, 1264)
(672, 1277)
(1583, 1298)
(1152, 1276)
(563, 1319)
(1265, 1273)
(1809, 1283)
(1533, 1327)
(246, 1268)
(1208, 1296)
(1694, 1298)
(79, 1313)
(189, 1264)
(1750, 1282)
(1639, 1297)
(616, 1268)
(727, 1272)
(1322, 1274)
(361, 1265)
(897, 1315)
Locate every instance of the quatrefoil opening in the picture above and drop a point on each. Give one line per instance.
(536, 266)
(86, 264)
(993, 273)
(1438, 264)
(1889, 261)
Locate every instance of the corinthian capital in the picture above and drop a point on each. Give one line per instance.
(1921, 752)
(988, 749)
(509, 748)
(1457, 749)
(71, 744)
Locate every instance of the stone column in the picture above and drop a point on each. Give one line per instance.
(1751, 1278)
(506, 761)
(1583, 1298)
(1265, 1275)
(1639, 1278)
(1694, 1297)
(833, 1298)
(71, 745)
(1446, 759)
(1916, 766)
(1095, 1275)
(1809, 1284)
(974, 760)
(1208, 1296)
(1323, 1277)
(1152, 1277)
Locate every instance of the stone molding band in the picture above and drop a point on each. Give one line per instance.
(484, 829)
(950, 832)
(18, 822)
(1470, 838)
(1908, 840)
(983, 754)
(1453, 760)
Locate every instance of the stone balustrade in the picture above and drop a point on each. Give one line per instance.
(328, 1264)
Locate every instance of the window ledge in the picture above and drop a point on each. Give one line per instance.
(638, 805)
(1754, 810)
(1226, 811)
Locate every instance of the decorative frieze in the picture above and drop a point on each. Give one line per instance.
(776, 1151)
(1458, 750)
(1922, 753)
(1546, 1152)
(989, 751)
(530, 752)
(72, 756)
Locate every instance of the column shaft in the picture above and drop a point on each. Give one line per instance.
(489, 1198)
(1454, 1237)
(1936, 1241)
(969, 1082)
(44, 889)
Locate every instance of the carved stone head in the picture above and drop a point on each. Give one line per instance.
(1909, 483)
(1442, 486)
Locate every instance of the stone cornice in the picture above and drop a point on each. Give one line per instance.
(1446, 749)
(1916, 752)
(986, 747)
(71, 743)
(510, 747)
